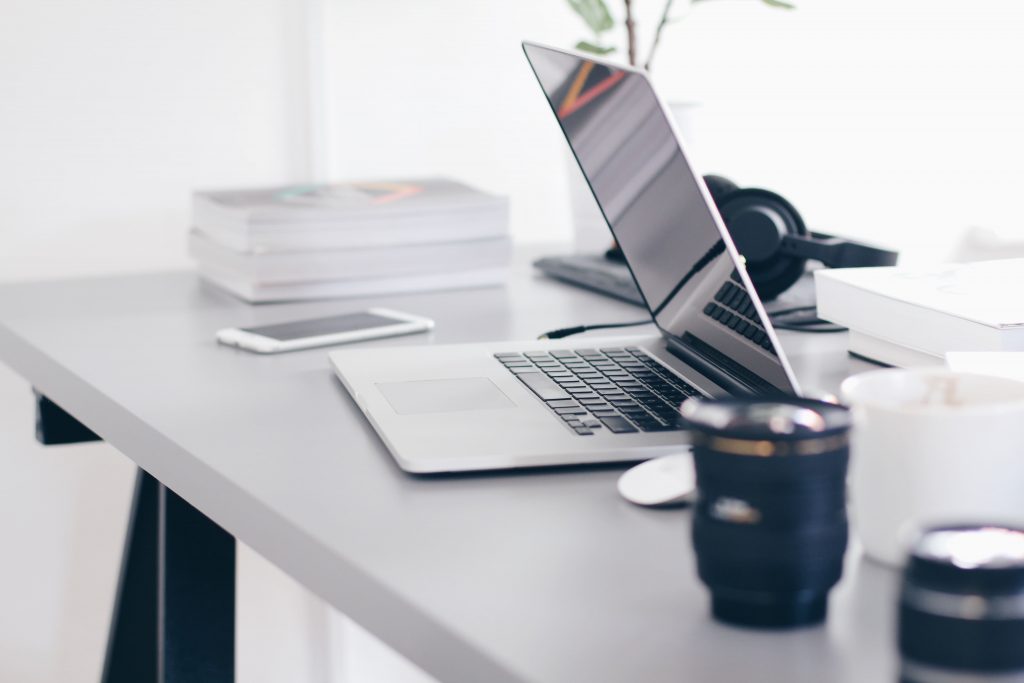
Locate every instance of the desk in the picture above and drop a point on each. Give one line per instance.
(537, 576)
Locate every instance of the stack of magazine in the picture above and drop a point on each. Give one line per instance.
(352, 239)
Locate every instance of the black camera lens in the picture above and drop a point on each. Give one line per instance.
(769, 526)
(961, 615)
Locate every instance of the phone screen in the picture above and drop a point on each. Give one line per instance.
(350, 322)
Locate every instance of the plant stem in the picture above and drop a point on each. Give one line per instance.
(657, 34)
(630, 32)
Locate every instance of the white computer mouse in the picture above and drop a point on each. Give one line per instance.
(660, 482)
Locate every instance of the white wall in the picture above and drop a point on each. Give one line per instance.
(895, 121)
(443, 87)
(113, 110)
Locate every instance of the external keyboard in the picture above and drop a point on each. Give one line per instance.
(622, 390)
(594, 272)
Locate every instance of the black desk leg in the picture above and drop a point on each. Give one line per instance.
(174, 614)
(54, 425)
(196, 608)
(132, 645)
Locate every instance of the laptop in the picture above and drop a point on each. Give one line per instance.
(450, 408)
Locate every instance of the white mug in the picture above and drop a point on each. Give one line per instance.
(932, 447)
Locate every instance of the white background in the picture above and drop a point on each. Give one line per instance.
(897, 121)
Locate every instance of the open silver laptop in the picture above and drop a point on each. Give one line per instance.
(524, 404)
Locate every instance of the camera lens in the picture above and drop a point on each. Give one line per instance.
(769, 526)
(962, 607)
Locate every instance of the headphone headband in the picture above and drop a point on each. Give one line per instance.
(837, 252)
(772, 236)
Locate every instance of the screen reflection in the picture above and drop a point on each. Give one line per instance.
(654, 204)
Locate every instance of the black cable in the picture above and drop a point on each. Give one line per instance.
(792, 325)
(811, 330)
(787, 311)
(784, 320)
(805, 323)
(569, 331)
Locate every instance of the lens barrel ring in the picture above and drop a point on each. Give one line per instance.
(961, 611)
(766, 448)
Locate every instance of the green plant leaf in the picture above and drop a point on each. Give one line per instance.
(587, 46)
(595, 13)
(781, 4)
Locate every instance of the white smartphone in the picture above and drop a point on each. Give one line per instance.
(372, 323)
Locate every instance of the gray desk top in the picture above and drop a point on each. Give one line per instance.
(539, 576)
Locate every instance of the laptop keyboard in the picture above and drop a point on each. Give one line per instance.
(621, 390)
(733, 308)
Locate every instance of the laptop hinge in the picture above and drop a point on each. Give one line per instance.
(739, 381)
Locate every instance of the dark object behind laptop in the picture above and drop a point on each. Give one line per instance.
(768, 231)
(596, 272)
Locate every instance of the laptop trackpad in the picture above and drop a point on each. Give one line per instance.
(444, 395)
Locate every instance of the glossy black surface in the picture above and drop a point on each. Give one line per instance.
(301, 329)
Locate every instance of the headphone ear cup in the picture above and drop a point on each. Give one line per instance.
(758, 220)
(720, 187)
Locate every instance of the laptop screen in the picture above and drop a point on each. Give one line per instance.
(660, 214)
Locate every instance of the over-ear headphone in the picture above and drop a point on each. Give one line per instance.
(771, 236)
